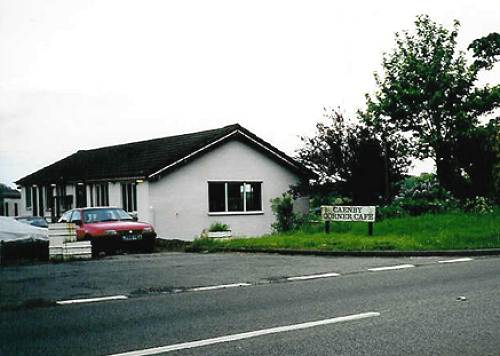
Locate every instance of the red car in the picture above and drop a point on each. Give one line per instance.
(110, 228)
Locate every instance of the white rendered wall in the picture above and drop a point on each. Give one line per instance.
(144, 208)
(22, 203)
(71, 190)
(179, 201)
(87, 194)
(115, 194)
(11, 206)
(34, 200)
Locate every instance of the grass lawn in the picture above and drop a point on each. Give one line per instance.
(448, 231)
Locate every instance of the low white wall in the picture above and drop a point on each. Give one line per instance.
(179, 201)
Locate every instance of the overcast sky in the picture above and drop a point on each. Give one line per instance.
(86, 74)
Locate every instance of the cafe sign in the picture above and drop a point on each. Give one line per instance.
(348, 213)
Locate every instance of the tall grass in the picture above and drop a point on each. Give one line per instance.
(426, 232)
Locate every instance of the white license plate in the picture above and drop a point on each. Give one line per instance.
(131, 237)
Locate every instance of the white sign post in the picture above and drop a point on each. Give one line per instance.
(348, 213)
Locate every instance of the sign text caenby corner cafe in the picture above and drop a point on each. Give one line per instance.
(348, 213)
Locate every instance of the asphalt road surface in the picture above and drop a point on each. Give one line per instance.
(232, 304)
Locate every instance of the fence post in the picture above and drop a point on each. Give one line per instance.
(370, 228)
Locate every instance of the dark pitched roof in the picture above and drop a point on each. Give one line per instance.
(149, 159)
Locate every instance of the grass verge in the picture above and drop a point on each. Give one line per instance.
(450, 231)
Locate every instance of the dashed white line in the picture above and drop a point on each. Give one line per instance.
(246, 335)
(221, 286)
(313, 276)
(91, 300)
(465, 259)
(390, 268)
(234, 285)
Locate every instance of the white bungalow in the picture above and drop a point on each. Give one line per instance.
(181, 184)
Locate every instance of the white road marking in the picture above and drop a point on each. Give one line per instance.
(465, 259)
(390, 268)
(91, 300)
(221, 286)
(313, 276)
(246, 335)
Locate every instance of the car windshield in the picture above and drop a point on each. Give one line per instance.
(100, 215)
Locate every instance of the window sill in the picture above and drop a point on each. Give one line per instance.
(237, 213)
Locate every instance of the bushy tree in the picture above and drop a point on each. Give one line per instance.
(477, 155)
(428, 91)
(496, 168)
(351, 160)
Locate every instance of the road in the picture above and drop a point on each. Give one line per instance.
(416, 309)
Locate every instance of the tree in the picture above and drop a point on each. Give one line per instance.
(428, 92)
(477, 156)
(4, 188)
(496, 167)
(350, 160)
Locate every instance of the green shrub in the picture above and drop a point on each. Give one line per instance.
(419, 195)
(309, 223)
(479, 205)
(317, 201)
(390, 211)
(286, 219)
(218, 226)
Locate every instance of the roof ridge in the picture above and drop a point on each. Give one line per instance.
(143, 158)
(236, 126)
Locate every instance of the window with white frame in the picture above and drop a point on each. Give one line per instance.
(99, 194)
(129, 196)
(234, 197)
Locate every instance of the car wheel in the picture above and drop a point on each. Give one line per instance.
(96, 246)
(149, 245)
